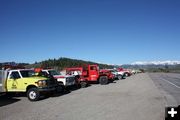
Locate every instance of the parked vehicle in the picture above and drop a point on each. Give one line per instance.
(136, 71)
(125, 71)
(90, 73)
(66, 80)
(81, 81)
(110, 75)
(24, 80)
(118, 75)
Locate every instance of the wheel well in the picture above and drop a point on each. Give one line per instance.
(30, 86)
(102, 76)
(60, 82)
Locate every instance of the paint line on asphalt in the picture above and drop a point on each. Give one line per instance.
(171, 83)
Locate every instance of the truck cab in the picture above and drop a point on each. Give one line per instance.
(93, 71)
(24, 80)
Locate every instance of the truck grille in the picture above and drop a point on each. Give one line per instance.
(51, 82)
(70, 79)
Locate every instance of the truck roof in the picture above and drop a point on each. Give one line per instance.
(47, 69)
(19, 69)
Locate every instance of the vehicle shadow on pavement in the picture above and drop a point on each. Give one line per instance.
(6, 100)
(115, 81)
(56, 94)
(68, 90)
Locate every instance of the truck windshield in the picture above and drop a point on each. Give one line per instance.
(27, 73)
(53, 72)
(115, 71)
(93, 68)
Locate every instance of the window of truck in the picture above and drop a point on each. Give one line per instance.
(15, 75)
(93, 68)
(44, 73)
(113, 70)
(53, 72)
(27, 73)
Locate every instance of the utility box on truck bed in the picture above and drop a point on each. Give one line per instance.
(1, 81)
(3, 77)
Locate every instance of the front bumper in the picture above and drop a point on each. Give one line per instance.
(70, 84)
(48, 88)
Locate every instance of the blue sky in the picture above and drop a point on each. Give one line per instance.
(107, 31)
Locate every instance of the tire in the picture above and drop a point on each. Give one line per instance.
(119, 77)
(126, 74)
(103, 80)
(60, 89)
(33, 94)
(83, 84)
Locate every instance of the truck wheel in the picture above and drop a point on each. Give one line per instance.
(33, 94)
(83, 84)
(60, 89)
(119, 77)
(103, 80)
(126, 74)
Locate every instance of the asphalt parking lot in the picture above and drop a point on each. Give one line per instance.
(135, 98)
(169, 86)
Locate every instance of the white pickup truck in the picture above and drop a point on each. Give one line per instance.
(66, 80)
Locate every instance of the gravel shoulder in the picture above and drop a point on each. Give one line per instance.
(135, 98)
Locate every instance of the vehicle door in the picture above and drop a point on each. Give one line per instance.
(93, 73)
(13, 81)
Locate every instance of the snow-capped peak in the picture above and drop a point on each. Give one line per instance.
(168, 62)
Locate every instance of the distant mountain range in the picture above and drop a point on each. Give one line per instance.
(67, 62)
(168, 62)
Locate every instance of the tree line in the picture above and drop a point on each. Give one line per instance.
(62, 63)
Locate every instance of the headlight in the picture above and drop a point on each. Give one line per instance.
(44, 82)
(41, 83)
